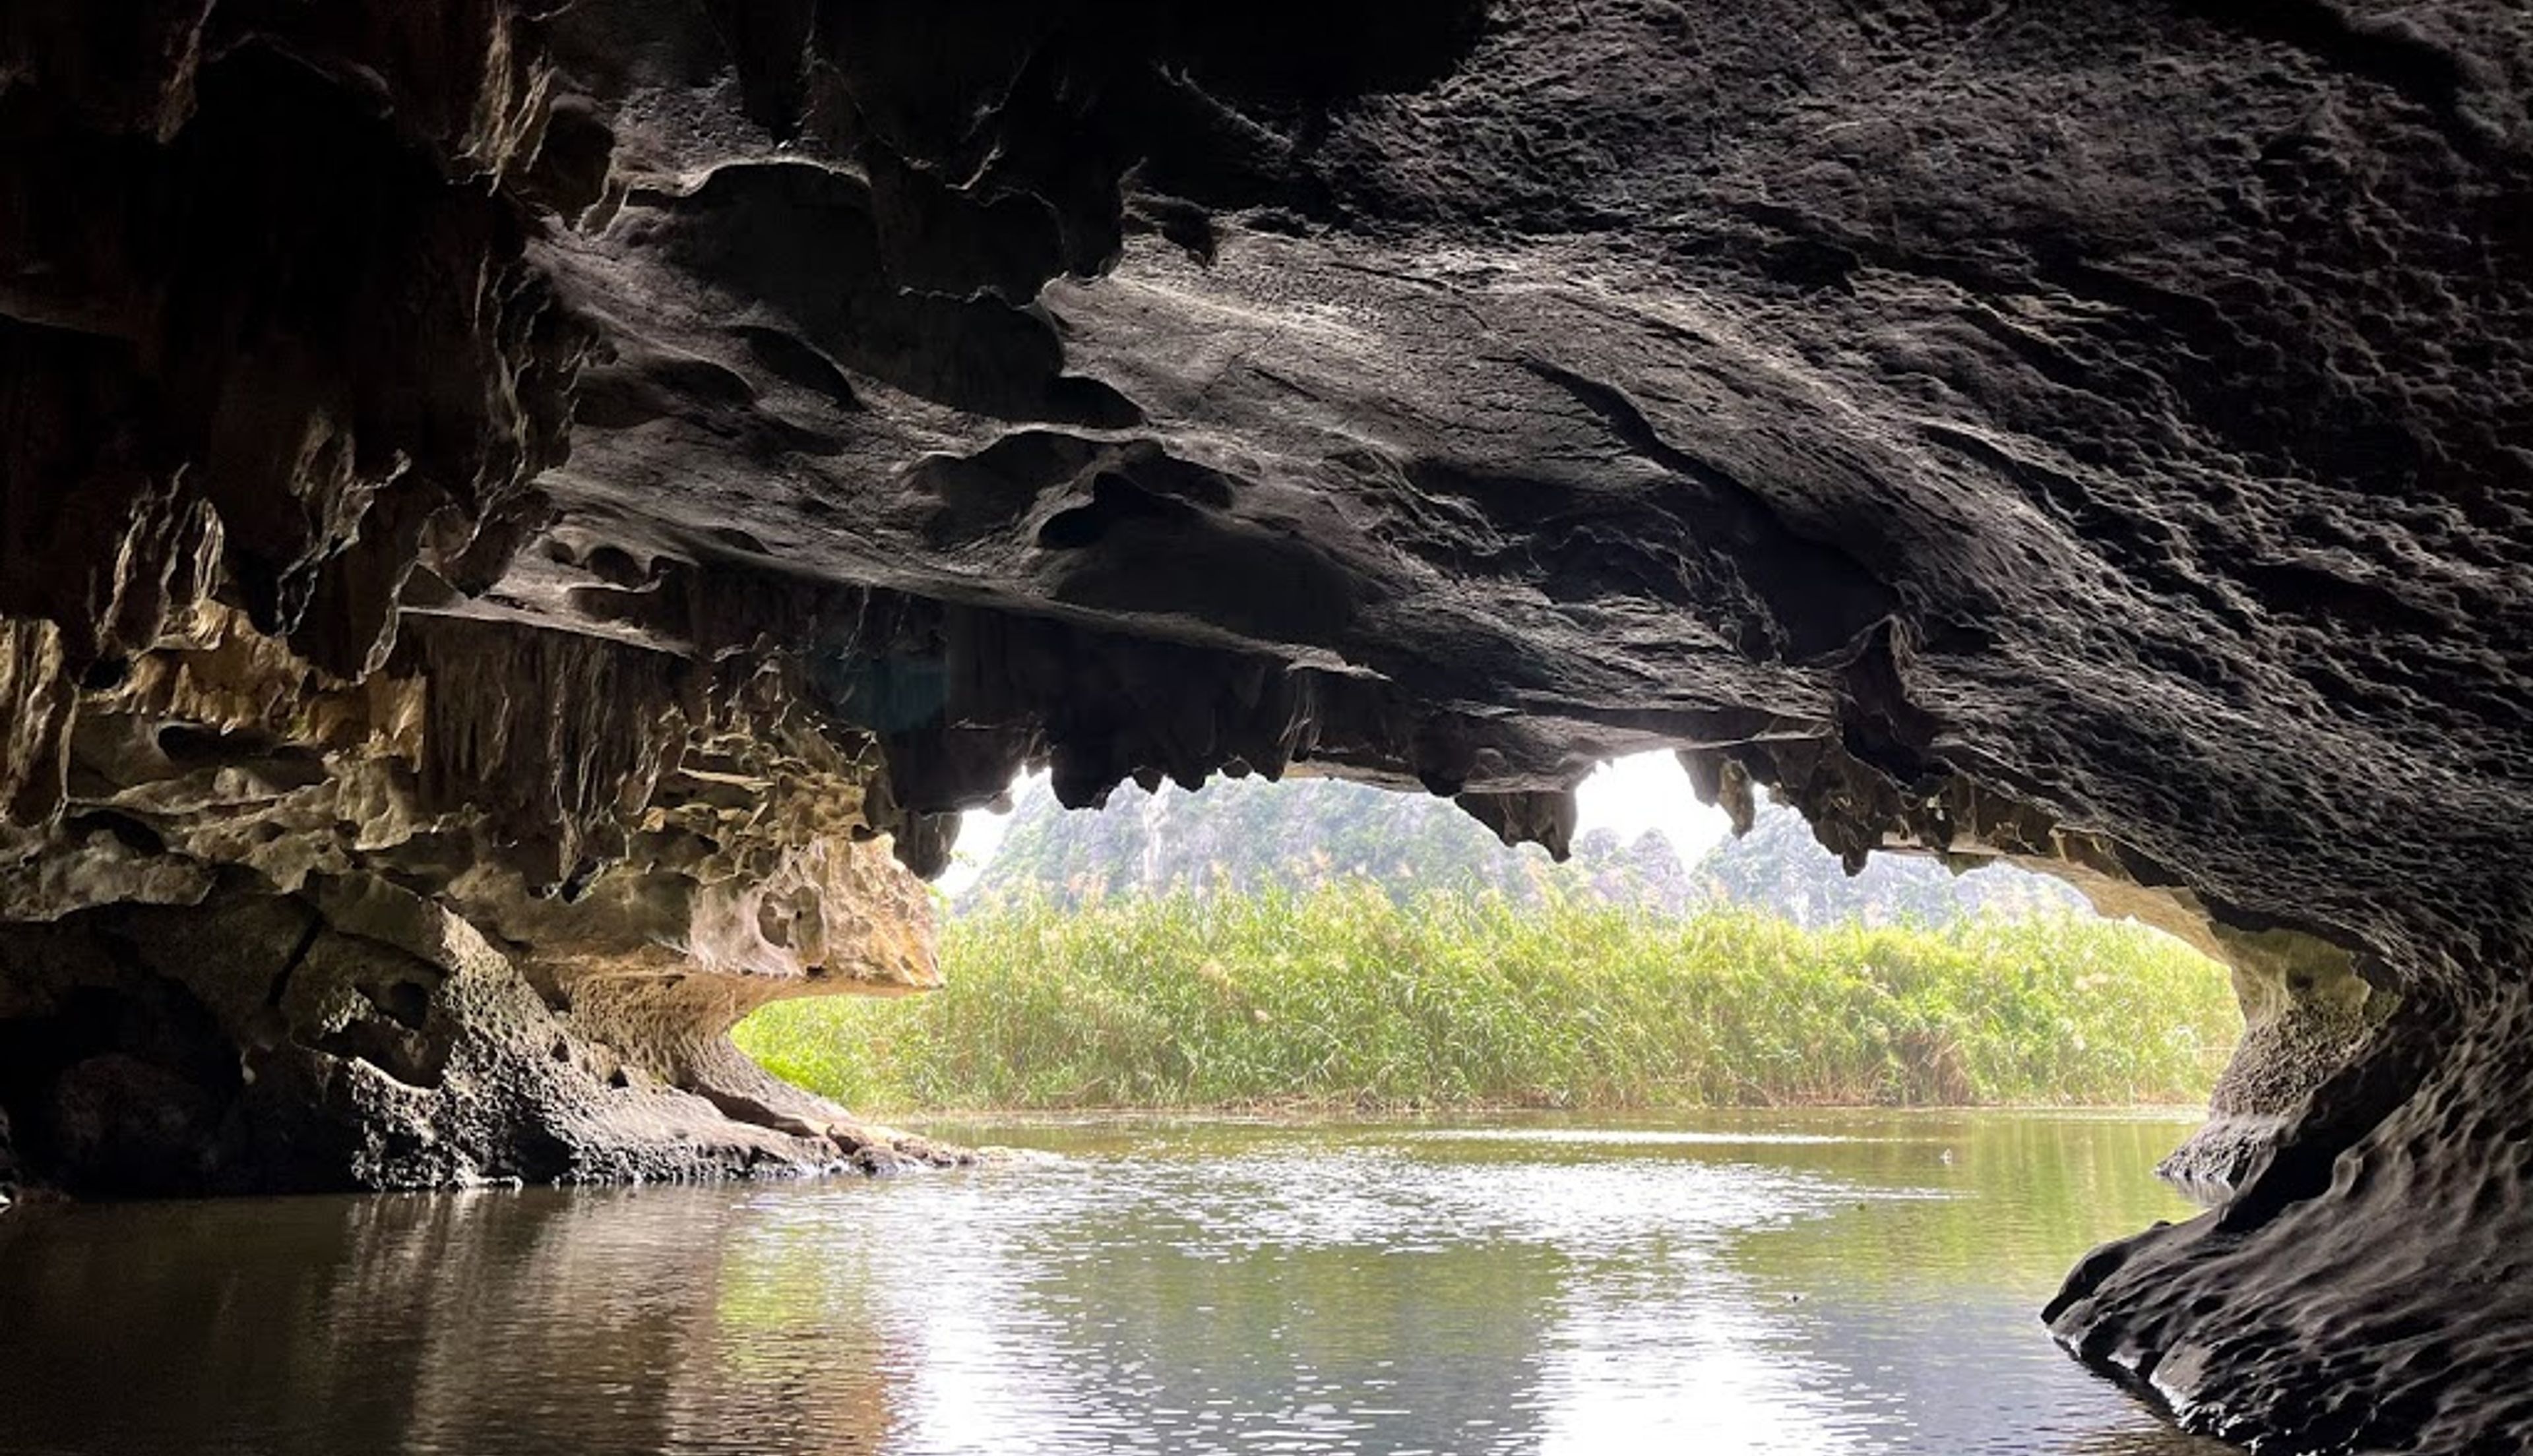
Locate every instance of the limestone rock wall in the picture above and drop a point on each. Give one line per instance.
(356, 1034)
(486, 915)
(2363, 1289)
(2307, 1014)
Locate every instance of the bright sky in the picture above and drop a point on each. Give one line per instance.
(1650, 790)
(1642, 791)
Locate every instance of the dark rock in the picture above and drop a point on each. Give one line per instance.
(589, 467)
(877, 1162)
(2306, 1015)
(116, 1121)
(356, 1035)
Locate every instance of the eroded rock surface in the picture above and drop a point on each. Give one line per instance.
(587, 466)
(357, 1034)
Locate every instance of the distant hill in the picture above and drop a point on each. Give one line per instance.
(1780, 866)
(1250, 835)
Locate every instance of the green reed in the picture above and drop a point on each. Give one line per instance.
(1339, 997)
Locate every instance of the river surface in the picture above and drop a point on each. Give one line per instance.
(1717, 1283)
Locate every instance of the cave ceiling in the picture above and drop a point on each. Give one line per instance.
(2116, 413)
(2122, 408)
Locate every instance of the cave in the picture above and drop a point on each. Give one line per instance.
(523, 522)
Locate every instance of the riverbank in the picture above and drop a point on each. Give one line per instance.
(1338, 998)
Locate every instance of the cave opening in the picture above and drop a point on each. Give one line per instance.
(1321, 944)
(1927, 1088)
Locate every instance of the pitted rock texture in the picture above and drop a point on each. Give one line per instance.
(2365, 1289)
(585, 464)
(2306, 1013)
(633, 852)
(357, 1034)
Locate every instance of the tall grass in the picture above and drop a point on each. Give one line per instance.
(1337, 996)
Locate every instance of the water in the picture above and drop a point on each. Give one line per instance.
(1824, 1283)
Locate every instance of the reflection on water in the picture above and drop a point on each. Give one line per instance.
(1781, 1283)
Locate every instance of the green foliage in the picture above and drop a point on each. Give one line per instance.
(1341, 996)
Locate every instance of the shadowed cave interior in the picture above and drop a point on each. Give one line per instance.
(520, 524)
